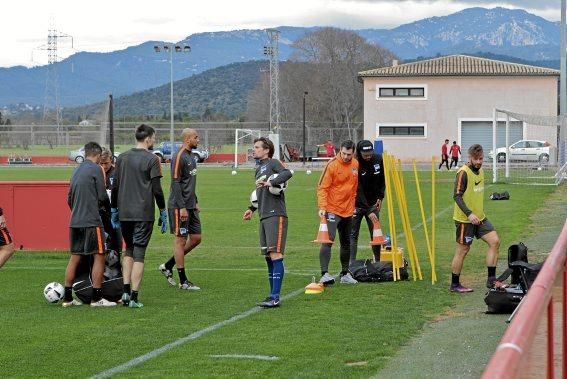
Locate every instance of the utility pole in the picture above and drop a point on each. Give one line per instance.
(111, 123)
(51, 98)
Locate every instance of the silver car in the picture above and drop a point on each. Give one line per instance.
(525, 150)
(79, 155)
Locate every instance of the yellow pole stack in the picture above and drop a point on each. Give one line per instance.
(424, 221)
(391, 219)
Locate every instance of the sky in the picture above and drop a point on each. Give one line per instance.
(104, 25)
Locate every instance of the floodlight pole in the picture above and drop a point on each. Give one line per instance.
(563, 60)
(178, 49)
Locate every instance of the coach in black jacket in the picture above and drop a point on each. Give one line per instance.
(369, 195)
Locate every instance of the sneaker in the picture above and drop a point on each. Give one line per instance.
(189, 286)
(125, 299)
(71, 303)
(264, 301)
(490, 282)
(168, 274)
(460, 289)
(270, 303)
(348, 279)
(327, 279)
(103, 303)
(135, 304)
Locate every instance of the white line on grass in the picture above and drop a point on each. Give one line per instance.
(244, 356)
(193, 336)
(181, 341)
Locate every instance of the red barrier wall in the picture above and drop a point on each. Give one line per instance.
(37, 214)
(225, 157)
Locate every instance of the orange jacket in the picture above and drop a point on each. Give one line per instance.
(336, 192)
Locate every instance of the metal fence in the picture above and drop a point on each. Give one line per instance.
(215, 136)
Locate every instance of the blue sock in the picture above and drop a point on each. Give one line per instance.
(277, 278)
(270, 273)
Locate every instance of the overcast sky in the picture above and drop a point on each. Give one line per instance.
(105, 25)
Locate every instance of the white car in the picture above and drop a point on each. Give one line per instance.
(79, 155)
(525, 150)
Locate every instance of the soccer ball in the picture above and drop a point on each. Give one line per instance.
(233, 172)
(53, 292)
(254, 199)
(277, 189)
(292, 172)
(308, 172)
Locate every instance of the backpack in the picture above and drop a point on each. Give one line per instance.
(506, 298)
(368, 271)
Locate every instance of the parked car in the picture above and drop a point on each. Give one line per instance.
(163, 150)
(525, 150)
(79, 155)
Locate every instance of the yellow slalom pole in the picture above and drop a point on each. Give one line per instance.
(434, 267)
(398, 189)
(424, 221)
(409, 237)
(391, 220)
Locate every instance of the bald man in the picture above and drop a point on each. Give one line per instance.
(183, 209)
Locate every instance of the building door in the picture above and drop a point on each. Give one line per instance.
(481, 132)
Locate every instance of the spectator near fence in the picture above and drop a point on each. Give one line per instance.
(6, 244)
(329, 148)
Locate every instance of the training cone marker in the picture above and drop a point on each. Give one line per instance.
(377, 236)
(323, 234)
(314, 288)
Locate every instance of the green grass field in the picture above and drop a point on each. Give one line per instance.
(348, 331)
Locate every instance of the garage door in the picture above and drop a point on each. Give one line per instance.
(481, 132)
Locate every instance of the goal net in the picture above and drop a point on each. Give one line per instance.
(536, 156)
(243, 144)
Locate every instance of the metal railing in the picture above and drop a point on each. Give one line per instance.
(515, 345)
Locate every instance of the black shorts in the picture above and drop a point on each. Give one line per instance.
(273, 233)
(182, 229)
(467, 231)
(87, 241)
(5, 237)
(136, 233)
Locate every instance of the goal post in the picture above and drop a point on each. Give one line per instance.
(243, 140)
(534, 157)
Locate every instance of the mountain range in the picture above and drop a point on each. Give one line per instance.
(85, 78)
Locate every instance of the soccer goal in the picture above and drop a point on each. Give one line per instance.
(535, 158)
(243, 142)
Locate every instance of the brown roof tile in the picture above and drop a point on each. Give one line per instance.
(459, 65)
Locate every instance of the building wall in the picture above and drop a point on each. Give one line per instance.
(450, 99)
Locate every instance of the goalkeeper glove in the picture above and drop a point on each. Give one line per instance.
(162, 222)
(114, 218)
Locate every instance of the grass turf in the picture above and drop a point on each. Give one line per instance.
(347, 331)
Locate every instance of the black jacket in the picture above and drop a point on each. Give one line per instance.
(371, 182)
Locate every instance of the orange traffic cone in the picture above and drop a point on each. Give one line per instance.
(377, 236)
(323, 234)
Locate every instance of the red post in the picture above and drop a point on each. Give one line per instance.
(550, 339)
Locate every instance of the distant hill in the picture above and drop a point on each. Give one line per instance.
(85, 78)
(221, 90)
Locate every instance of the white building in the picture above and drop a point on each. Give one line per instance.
(414, 107)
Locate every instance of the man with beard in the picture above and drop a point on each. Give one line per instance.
(369, 195)
(470, 220)
(183, 209)
(137, 184)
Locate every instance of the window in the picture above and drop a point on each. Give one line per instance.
(401, 130)
(402, 91)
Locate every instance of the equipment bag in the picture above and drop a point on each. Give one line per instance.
(112, 285)
(368, 271)
(505, 298)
